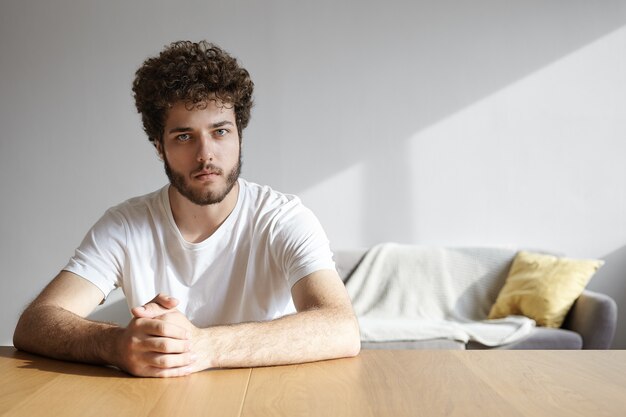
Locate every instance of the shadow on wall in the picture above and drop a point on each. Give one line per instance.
(611, 280)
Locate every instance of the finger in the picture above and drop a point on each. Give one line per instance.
(169, 361)
(154, 372)
(163, 328)
(170, 372)
(159, 305)
(166, 345)
(164, 300)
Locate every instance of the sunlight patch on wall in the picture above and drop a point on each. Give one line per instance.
(539, 163)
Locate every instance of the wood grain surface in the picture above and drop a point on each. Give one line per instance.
(376, 383)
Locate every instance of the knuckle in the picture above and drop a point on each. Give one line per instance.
(159, 361)
(170, 346)
(162, 345)
(134, 369)
(164, 362)
(160, 327)
(130, 344)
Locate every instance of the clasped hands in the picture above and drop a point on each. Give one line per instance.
(159, 341)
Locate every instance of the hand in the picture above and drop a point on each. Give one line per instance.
(152, 346)
(159, 305)
(163, 308)
(198, 345)
(179, 319)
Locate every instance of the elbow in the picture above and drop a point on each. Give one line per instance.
(356, 342)
(343, 336)
(26, 329)
(19, 334)
(354, 349)
(353, 337)
(17, 341)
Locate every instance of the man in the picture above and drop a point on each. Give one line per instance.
(220, 272)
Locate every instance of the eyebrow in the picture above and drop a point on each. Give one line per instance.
(212, 126)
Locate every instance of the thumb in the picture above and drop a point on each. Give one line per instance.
(159, 305)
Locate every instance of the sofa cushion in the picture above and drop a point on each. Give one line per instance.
(412, 292)
(543, 287)
(541, 338)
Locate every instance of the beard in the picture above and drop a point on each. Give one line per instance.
(203, 197)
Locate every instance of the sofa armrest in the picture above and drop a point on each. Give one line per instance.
(594, 317)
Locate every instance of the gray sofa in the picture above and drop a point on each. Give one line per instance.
(590, 323)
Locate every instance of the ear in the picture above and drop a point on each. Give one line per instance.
(159, 148)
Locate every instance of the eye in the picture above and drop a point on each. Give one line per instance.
(183, 137)
(221, 132)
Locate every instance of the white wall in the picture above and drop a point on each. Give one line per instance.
(431, 122)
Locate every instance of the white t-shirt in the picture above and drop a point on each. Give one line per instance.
(242, 272)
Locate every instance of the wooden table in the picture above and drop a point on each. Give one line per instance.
(376, 383)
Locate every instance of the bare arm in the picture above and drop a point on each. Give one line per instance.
(324, 328)
(56, 314)
(54, 325)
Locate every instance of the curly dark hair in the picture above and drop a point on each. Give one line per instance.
(194, 73)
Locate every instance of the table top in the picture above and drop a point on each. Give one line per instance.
(376, 383)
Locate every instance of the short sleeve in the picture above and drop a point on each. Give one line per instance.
(101, 255)
(299, 243)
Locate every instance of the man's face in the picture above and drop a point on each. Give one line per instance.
(201, 151)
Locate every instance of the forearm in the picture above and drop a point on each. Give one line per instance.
(311, 335)
(54, 325)
(58, 333)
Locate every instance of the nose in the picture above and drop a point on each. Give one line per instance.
(205, 151)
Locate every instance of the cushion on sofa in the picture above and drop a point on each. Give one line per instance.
(543, 287)
(590, 323)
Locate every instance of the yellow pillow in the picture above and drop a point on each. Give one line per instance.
(543, 287)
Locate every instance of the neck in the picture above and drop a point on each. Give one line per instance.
(197, 223)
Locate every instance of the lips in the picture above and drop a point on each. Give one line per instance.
(207, 173)
(203, 173)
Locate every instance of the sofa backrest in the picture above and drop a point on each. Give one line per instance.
(348, 259)
(489, 268)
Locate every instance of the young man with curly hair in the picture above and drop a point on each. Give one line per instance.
(217, 271)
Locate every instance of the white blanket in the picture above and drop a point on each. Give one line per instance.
(403, 292)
